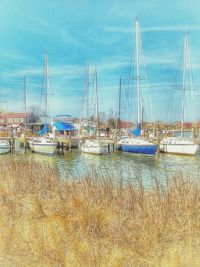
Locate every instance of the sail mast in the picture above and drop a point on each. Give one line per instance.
(120, 92)
(25, 102)
(46, 85)
(183, 82)
(97, 102)
(138, 69)
(87, 89)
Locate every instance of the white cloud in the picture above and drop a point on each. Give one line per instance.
(171, 28)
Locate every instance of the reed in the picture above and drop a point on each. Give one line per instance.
(46, 221)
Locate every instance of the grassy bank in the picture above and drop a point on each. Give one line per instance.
(92, 222)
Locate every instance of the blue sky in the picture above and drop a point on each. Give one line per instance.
(102, 33)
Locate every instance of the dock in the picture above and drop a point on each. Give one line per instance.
(63, 144)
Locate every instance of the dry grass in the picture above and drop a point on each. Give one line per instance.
(48, 222)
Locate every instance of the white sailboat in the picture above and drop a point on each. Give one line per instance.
(94, 146)
(137, 145)
(180, 145)
(44, 144)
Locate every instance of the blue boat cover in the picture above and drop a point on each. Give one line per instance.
(44, 130)
(64, 126)
(137, 131)
(138, 149)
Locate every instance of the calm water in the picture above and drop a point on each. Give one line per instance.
(117, 166)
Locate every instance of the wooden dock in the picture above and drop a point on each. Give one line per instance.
(63, 144)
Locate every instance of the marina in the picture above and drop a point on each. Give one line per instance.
(99, 133)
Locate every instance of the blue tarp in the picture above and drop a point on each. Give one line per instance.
(44, 130)
(137, 131)
(64, 126)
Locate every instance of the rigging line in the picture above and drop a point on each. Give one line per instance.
(51, 93)
(85, 104)
(147, 80)
(145, 73)
(93, 101)
(131, 73)
(174, 86)
(194, 107)
(42, 89)
(123, 98)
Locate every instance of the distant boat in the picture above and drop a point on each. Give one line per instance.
(4, 146)
(94, 146)
(180, 145)
(44, 144)
(137, 145)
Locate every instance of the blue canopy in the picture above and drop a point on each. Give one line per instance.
(64, 126)
(44, 130)
(137, 131)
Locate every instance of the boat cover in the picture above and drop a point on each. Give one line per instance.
(44, 130)
(137, 131)
(64, 126)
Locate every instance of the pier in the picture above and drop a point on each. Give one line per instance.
(63, 145)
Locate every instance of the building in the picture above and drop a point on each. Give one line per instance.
(18, 118)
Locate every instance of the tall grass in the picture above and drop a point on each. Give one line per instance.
(45, 221)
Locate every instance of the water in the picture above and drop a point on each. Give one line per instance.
(120, 166)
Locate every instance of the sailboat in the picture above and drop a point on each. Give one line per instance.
(94, 146)
(181, 145)
(44, 144)
(136, 144)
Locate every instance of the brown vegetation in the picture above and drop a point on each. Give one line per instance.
(92, 222)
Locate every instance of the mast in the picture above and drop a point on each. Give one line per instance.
(183, 81)
(46, 85)
(120, 92)
(97, 102)
(85, 104)
(25, 102)
(87, 89)
(138, 70)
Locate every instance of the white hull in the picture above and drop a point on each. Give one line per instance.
(43, 147)
(178, 146)
(93, 147)
(4, 147)
(198, 148)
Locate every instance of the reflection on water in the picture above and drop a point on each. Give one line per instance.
(119, 166)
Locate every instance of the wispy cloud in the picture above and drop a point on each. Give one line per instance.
(13, 56)
(64, 71)
(43, 27)
(172, 28)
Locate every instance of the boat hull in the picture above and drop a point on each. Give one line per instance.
(93, 147)
(138, 149)
(178, 146)
(198, 148)
(4, 148)
(179, 149)
(49, 149)
(93, 150)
